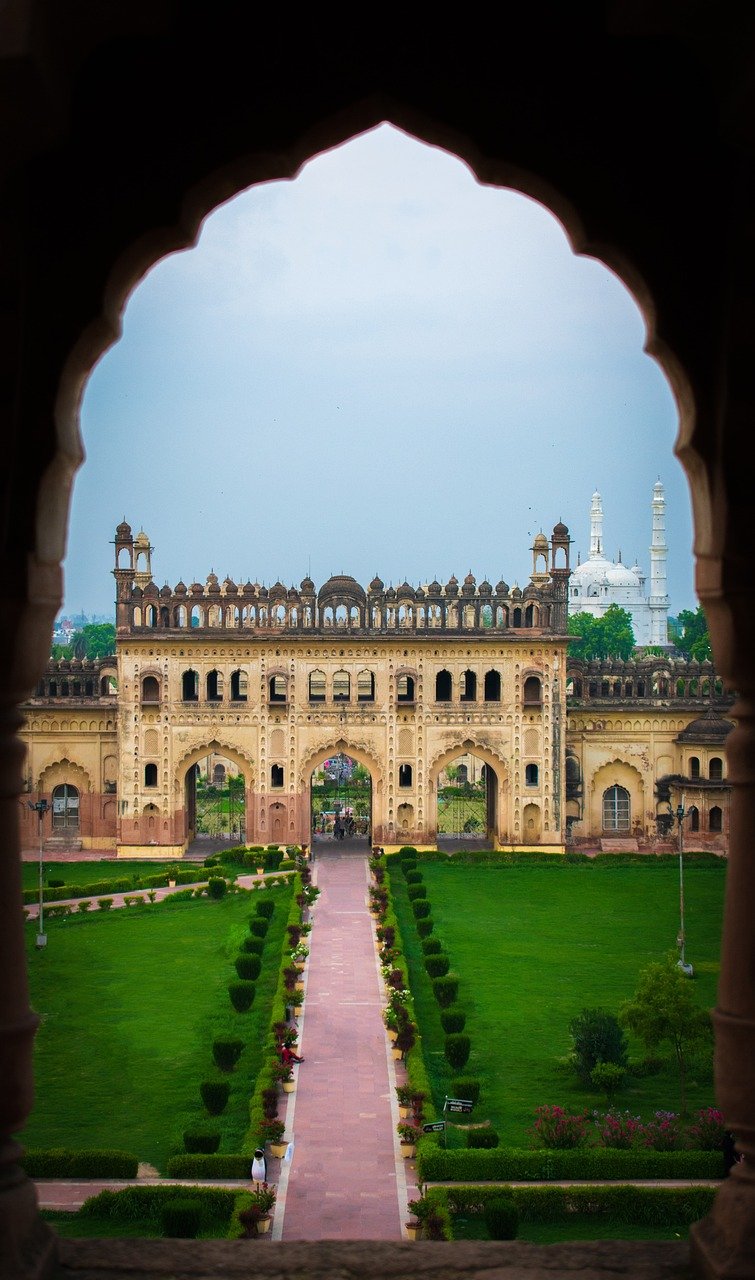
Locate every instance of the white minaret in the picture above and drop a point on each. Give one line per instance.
(658, 599)
(596, 526)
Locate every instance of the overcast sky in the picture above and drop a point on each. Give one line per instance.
(381, 366)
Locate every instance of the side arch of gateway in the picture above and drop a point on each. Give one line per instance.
(277, 700)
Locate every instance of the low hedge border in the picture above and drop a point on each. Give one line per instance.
(669, 1207)
(61, 1162)
(416, 1071)
(146, 1204)
(210, 1168)
(506, 1164)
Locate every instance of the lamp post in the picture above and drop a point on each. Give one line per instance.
(682, 964)
(41, 807)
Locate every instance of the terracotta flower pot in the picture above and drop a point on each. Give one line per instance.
(407, 1150)
(403, 1113)
(412, 1230)
(278, 1150)
(397, 1053)
(392, 1034)
(263, 1226)
(288, 1086)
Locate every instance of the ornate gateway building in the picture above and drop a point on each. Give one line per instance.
(415, 685)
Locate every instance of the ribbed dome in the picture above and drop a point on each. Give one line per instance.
(711, 728)
(123, 531)
(341, 585)
(377, 584)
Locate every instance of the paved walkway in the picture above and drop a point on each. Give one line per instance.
(347, 1177)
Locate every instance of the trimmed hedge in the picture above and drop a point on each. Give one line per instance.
(248, 966)
(258, 926)
(181, 1218)
(506, 1164)
(453, 1019)
(466, 1087)
(670, 1208)
(413, 876)
(61, 1162)
(446, 990)
(227, 1052)
(425, 927)
(502, 1218)
(437, 965)
(265, 907)
(255, 946)
(242, 995)
(421, 909)
(217, 887)
(431, 946)
(457, 1048)
(215, 1095)
(415, 892)
(145, 1204)
(213, 1168)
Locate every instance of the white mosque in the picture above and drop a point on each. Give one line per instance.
(597, 583)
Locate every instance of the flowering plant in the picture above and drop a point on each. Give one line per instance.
(663, 1132)
(617, 1129)
(264, 1198)
(408, 1133)
(272, 1130)
(555, 1127)
(300, 952)
(708, 1130)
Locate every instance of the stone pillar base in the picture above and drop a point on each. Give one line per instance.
(28, 1247)
(722, 1245)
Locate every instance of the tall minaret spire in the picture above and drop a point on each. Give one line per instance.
(658, 600)
(596, 526)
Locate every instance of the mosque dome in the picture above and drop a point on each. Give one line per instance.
(619, 576)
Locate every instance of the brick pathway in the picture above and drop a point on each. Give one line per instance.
(347, 1178)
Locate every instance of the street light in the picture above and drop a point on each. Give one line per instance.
(682, 964)
(41, 807)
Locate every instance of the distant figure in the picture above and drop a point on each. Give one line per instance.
(288, 1057)
(259, 1168)
(337, 829)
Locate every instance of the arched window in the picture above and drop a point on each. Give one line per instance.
(616, 809)
(150, 775)
(365, 687)
(150, 689)
(694, 819)
(492, 686)
(277, 688)
(239, 685)
(468, 687)
(516, 618)
(715, 819)
(341, 686)
(573, 771)
(65, 806)
(533, 694)
(716, 769)
(405, 688)
(214, 686)
(694, 767)
(276, 775)
(405, 775)
(190, 686)
(317, 686)
(443, 686)
(531, 775)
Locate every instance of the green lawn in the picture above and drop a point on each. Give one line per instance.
(532, 947)
(582, 1227)
(81, 873)
(130, 1003)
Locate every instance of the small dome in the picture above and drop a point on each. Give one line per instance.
(435, 588)
(277, 591)
(141, 539)
(341, 586)
(212, 583)
(307, 584)
(263, 593)
(179, 589)
(470, 580)
(405, 591)
(165, 590)
(390, 594)
(196, 589)
(711, 728)
(485, 588)
(249, 589)
(377, 584)
(123, 531)
(516, 592)
(230, 587)
(151, 589)
(619, 576)
(292, 594)
(502, 588)
(560, 530)
(540, 543)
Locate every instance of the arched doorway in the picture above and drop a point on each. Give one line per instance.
(341, 802)
(467, 791)
(65, 808)
(215, 802)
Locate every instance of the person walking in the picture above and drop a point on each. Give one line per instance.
(259, 1169)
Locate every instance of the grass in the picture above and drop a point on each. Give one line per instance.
(82, 873)
(130, 1003)
(532, 947)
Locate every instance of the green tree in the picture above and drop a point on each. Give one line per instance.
(597, 1038)
(608, 637)
(663, 1009)
(692, 634)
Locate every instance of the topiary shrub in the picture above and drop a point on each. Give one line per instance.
(242, 995)
(446, 990)
(265, 907)
(202, 1141)
(248, 966)
(453, 1019)
(104, 904)
(407, 853)
(217, 887)
(56, 884)
(421, 909)
(456, 1048)
(502, 1218)
(437, 965)
(180, 1219)
(255, 946)
(425, 927)
(431, 946)
(482, 1139)
(597, 1037)
(258, 926)
(215, 1095)
(416, 891)
(413, 876)
(466, 1087)
(227, 1052)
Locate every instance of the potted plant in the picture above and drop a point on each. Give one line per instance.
(390, 1018)
(173, 872)
(408, 1136)
(403, 1094)
(257, 1218)
(271, 1131)
(295, 1000)
(417, 1099)
(405, 1040)
(419, 1210)
(285, 1076)
(299, 955)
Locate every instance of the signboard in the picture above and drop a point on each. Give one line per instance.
(437, 1127)
(459, 1105)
